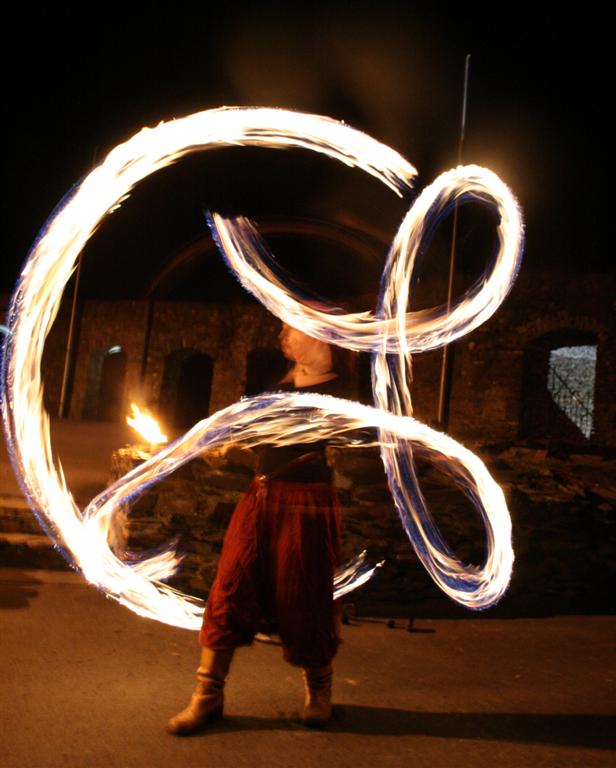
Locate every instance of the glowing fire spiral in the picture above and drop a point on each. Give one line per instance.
(391, 332)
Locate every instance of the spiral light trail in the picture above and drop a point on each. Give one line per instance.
(392, 332)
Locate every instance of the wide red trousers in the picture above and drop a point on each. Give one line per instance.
(276, 572)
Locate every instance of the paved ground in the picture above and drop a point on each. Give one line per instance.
(86, 683)
(84, 449)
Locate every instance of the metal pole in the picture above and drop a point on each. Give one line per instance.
(69, 344)
(146, 342)
(448, 350)
(71, 332)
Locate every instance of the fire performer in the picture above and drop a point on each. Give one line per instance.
(279, 556)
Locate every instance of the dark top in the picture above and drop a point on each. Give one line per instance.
(304, 462)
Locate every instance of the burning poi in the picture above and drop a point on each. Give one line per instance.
(392, 332)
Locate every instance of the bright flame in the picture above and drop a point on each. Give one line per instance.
(145, 425)
(392, 333)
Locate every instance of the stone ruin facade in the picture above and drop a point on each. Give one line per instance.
(510, 380)
(542, 420)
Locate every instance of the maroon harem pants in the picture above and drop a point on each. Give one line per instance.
(276, 569)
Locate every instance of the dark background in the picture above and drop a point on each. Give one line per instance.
(77, 82)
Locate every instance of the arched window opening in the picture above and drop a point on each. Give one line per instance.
(104, 399)
(186, 388)
(571, 382)
(558, 387)
(265, 367)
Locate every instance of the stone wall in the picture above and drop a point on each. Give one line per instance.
(487, 394)
(563, 513)
(104, 325)
(226, 333)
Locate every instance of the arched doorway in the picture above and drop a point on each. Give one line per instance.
(558, 387)
(186, 388)
(104, 399)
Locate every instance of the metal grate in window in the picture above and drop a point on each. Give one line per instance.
(571, 382)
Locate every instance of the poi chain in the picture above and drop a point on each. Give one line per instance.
(392, 332)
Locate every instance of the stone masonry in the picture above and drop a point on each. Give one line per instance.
(563, 514)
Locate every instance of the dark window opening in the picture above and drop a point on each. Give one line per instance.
(104, 400)
(186, 388)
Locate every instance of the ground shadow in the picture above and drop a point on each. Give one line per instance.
(595, 731)
(17, 591)
(408, 625)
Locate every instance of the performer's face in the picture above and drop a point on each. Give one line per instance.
(304, 350)
(292, 342)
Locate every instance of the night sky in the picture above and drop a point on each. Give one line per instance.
(83, 81)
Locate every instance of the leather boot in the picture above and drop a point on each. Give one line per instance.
(206, 703)
(318, 704)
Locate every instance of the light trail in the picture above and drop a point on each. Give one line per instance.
(391, 332)
(248, 257)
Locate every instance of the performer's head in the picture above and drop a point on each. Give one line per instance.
(304, 350)
(311, 353)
